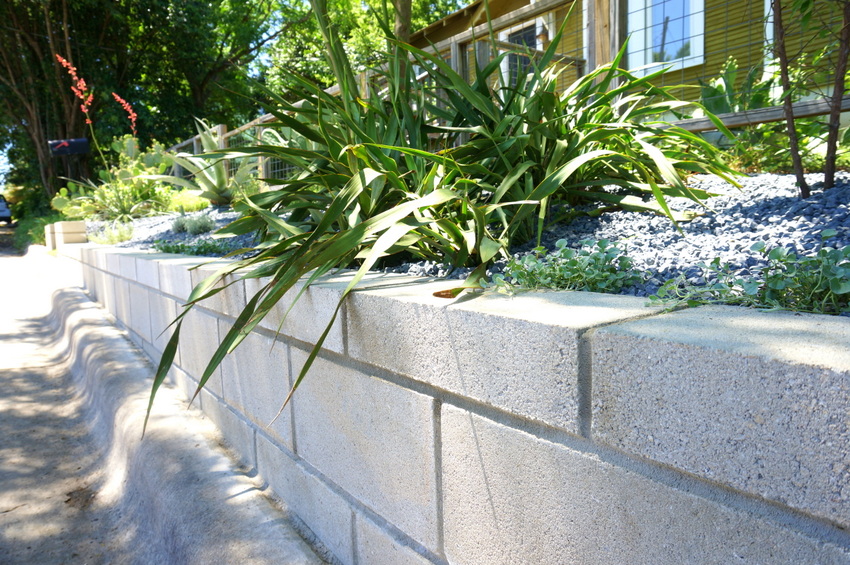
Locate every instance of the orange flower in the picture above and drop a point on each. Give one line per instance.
(129, 109)
(78, 87)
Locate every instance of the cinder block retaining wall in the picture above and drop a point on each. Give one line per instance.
(549, 428)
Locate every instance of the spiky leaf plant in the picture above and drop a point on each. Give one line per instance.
(376, 176)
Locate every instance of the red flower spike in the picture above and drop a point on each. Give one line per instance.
(129, 109)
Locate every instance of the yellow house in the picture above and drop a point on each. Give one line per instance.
(693, 38)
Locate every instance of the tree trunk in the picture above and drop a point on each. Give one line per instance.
(402, 20)
(835, 103)
(779, 50)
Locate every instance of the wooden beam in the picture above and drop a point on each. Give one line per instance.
(805, 109)
(523, 14)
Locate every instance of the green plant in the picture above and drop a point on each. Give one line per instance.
(126, 191)
(199, 224)
(377, 179)
(203, 247)
(112, 233)
(819, 283)
(192, 225)
(596, 266)
(179, 224)
(184, 201)
(209, 172)
(765, 147)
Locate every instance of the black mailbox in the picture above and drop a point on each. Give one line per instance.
(68, 146)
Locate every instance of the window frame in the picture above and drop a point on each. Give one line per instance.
(640, 40)
(542, 27)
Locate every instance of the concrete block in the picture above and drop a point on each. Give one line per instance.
(183, 382)
(372, 438)
(754, 400)
(50, 237)
(199, 339)
(147, 270)
(255, 380)
(106, 292)
(100, 256)
(67, 227)
(122, 301)
(175, 279)
(309, 317)
(127, 265)
(229, 301)
(376, 547)
(238, 433)
(63, 239)
(163, 311)
(318, 506)
(519, 354)
(509, 497)
(72, 250)
(140, 311)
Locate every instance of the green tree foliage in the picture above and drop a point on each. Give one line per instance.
(170, 59)
(357, 23)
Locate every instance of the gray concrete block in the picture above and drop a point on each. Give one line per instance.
(229, 301)
(163, 311)
(199, 339)
(106, 292)
(175, 279)
(127, 265)
(754, 400)
(122, 301)
(147, 270)
(512, 498)
(372, 438)
(238, 433)
(519, 354)
(308, 318)
(140, 311)
(321, 509)
(255, 380)
(101, 256)
(376, 547)
(183, 382)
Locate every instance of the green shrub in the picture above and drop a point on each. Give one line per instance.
(597, 266)
(765, 147)
(818, 284)
(204, 247)
(112, 233)
(125, 191)
(199, 224)
(186, 201)
(179, 224)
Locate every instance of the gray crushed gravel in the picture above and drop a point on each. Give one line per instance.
(767, 208)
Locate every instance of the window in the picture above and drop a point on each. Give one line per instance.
(531, 36)
(666, 32)
(517, 63)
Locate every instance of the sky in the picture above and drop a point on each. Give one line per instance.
(4, 168)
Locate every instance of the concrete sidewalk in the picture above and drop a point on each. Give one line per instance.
(78, 484)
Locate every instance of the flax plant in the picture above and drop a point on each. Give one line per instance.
(381, 172)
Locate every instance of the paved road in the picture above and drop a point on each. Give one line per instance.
(48, 463)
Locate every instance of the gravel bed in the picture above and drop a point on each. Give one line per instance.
(767, 208)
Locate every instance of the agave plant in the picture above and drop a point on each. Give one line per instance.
(209, 175)
(376, 179)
